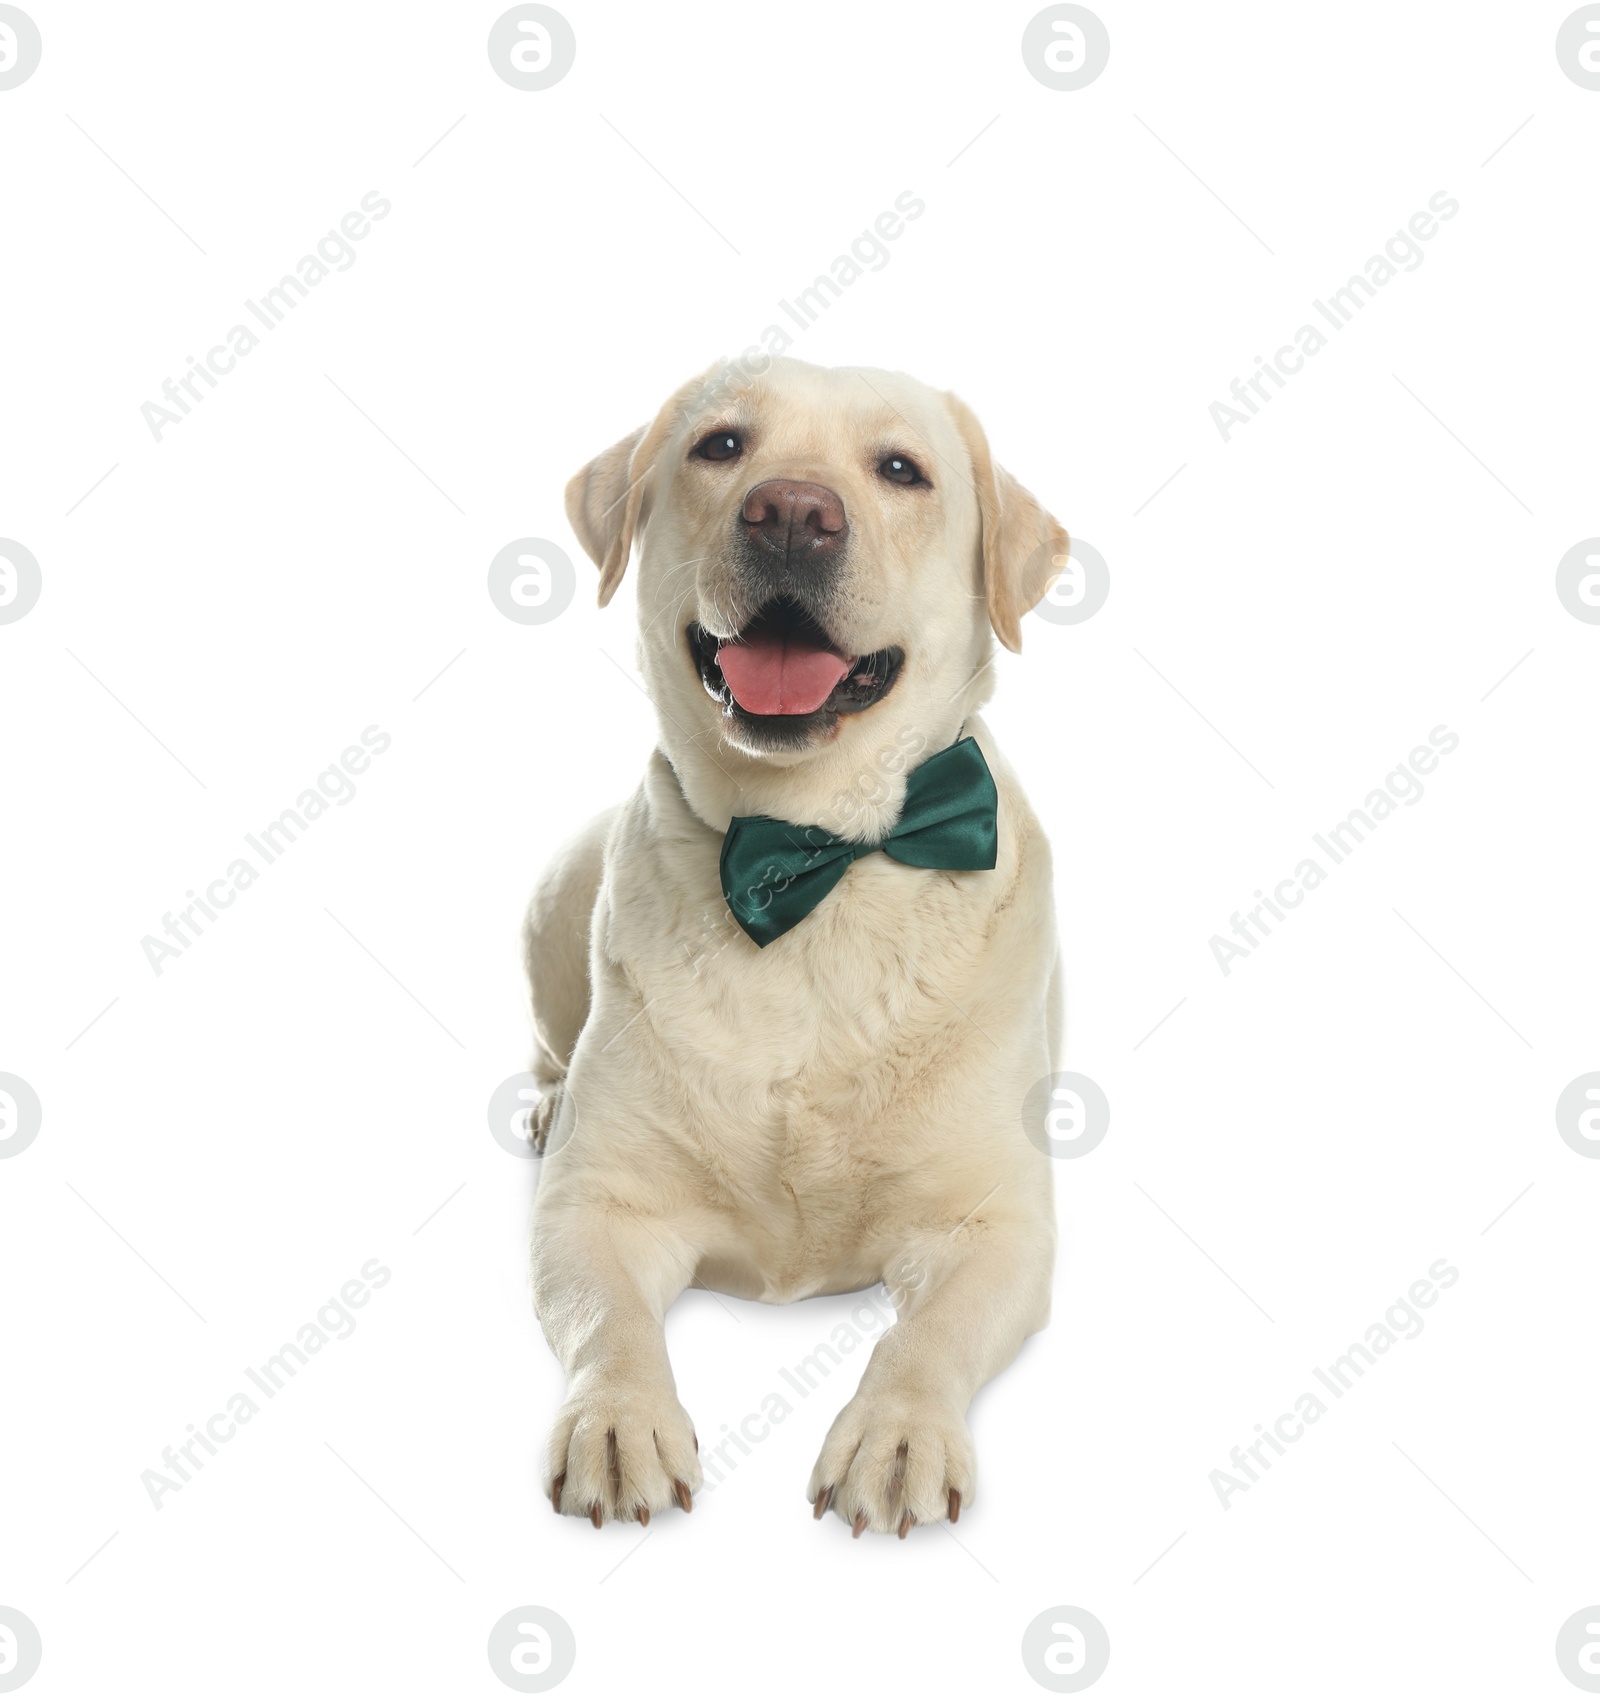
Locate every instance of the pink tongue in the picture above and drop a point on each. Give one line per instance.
(772, 674)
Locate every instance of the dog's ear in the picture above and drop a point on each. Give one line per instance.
(608, 501)
(603, 509)
(1024, 548)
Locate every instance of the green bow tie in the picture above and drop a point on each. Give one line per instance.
(774, 873)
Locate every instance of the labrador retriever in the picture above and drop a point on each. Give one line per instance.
(791, 996)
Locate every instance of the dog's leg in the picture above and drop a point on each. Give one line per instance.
(555, 950)
(603, 1279)
(900, 1452)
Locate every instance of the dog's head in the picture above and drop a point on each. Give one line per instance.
(823, 553)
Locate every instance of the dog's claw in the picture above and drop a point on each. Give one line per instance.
(682, 1493)
(824, 1498)
(859, 1525)
(955, 1505)
(644, 1515)
(555, 1492)
(907, 1522)
(594, 1514)
(696, 1438)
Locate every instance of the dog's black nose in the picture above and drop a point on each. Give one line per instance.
(800, 521)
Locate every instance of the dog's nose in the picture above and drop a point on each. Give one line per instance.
(800, 520)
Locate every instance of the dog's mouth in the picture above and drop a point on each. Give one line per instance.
(783, 667)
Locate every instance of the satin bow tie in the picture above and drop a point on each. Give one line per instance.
(775, 873)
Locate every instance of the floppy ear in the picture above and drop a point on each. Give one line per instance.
(1024, 548)
(608, 501)
(603, 502)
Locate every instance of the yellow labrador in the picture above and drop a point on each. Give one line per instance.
(750, 1086)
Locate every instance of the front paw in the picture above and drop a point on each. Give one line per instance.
(894, 1458)
(619, 1450)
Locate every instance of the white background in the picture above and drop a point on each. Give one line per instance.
(1362, 1096)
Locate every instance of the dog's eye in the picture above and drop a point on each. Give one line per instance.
(899, 468)
(720, 445)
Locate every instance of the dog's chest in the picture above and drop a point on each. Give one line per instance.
(808, 1057)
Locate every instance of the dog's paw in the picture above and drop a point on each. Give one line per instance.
(892, 1459)
(619, 1451)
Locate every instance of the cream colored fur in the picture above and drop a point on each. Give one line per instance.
(845, 1106)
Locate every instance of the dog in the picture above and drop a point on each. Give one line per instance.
(747, 1085)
